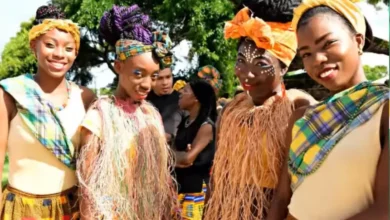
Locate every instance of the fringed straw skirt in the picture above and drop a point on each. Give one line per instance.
(192, 204)
(18, 205)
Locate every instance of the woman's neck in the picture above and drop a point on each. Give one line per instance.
(121, 94)
(193, 112)
(49, 84)
(357, 79)
(278, 90)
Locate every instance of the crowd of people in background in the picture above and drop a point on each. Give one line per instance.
(159, 150)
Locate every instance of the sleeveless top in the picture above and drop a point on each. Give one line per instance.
(343, 186)
(32, 167)
(190, 179)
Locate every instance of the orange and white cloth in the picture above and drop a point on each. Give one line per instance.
(279, 39)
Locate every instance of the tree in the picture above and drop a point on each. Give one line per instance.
(17, 57)
(375, 2)
(198, 22)
(375, 73)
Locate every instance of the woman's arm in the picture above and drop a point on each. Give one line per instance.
(379, 210)
(87, 96)
(7, 112)
(202, 139)
(282, 197)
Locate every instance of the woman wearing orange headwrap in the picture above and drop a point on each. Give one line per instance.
(251, 132)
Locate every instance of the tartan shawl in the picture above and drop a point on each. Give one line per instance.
(40, 116)
(325, 124)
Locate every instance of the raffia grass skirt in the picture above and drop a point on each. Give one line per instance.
(18, 205)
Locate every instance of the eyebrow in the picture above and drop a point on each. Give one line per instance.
(55, 40)
(317, 41)
(140, 69)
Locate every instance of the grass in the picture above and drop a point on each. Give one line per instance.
(4, 179)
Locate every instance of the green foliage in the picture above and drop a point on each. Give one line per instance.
(199, 22)
(376, 72)
(17, 57)
(375, 2)
(103, 91)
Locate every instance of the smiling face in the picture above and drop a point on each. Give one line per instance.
(136, 75)
(55, 52)
(330, 52)
(259, 72)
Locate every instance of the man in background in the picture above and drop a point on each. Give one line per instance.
(166, 100)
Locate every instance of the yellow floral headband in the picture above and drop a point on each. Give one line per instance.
(60, 24)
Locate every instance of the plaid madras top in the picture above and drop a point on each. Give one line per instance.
(40, 116)
(325, 124)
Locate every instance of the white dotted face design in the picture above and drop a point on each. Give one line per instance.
(250, 56)
(250, 53)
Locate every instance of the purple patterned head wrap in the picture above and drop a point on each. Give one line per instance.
(125, 23)
(129, 31)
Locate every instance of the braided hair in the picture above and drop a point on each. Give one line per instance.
(272, 10)
(205, 94)
(125, 23)
(47, 12)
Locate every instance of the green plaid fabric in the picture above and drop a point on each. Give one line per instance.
(326, 123)
(40, 116)
(125, 48)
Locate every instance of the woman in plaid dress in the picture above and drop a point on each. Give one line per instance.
(35, 128)
(338, 159)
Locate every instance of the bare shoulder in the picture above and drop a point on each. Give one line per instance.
(7, 104)
(88, 96)
(300, 98)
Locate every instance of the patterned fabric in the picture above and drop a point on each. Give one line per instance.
(161, 45)
(192, 204)
(346, 8)
(277, 38)
(210, 74)
(326, 123)
(179, 85)
(40, 116)
(50, 24)
(18, 205)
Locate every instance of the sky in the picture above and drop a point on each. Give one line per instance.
(14, 14)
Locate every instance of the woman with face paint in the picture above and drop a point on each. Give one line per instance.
(124, 165)
(251, 132)
(338, 159)
(35, 128)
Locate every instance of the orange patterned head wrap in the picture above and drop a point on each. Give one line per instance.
(346, 8)
(277, 38)
(60, 24)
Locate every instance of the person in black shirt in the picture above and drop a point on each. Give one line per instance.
(194, 146)
(166, 100)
